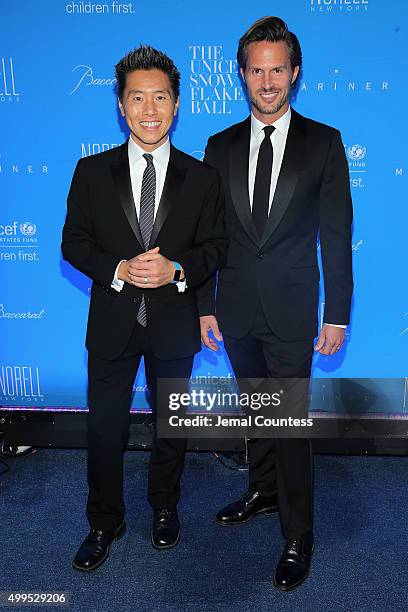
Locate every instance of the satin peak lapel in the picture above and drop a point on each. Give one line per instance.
(288, 175)
(121, 176)
(238, 177)
(171, 188)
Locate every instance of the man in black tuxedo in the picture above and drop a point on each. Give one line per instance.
(285, 177)
(145, 223)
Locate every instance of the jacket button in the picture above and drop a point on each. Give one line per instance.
(259, 255)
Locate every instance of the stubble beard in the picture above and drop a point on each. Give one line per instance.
(268, 110)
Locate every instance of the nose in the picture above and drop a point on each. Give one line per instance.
(267, 80)
(149, 106)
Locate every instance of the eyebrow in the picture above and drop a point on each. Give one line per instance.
(260, 68)
(133, 91)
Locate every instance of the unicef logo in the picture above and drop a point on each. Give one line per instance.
(28, 229)
(356, 152)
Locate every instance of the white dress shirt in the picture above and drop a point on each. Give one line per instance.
(278, 139)
(137, 166)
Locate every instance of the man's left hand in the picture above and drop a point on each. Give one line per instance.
(151, 270)
(330, 340)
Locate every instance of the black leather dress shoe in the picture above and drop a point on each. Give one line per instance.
(94, 550)
(245, 508)
(294, 565)
(165, 528)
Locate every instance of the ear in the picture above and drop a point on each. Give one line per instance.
(295, 74)
(176, 106)
(121, 107)
(242, 73)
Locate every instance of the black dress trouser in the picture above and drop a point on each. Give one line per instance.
(278, 465)
(110, 384)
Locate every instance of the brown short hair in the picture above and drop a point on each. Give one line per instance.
(271, 29)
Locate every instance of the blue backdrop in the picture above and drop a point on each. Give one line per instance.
(57, 104)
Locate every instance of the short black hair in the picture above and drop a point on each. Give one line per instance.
(146, 58)
(271, 29)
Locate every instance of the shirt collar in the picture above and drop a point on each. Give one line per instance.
(281, 124)
(161, 155)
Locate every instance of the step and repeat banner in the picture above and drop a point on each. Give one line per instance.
(58, 104)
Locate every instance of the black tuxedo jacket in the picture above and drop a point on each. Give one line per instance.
(101, 229)
(280, 269)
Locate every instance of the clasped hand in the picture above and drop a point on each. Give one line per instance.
(148, 270)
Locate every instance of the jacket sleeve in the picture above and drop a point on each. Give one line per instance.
(207, 291)
(336, 217)
(79, 246)
(208, 253)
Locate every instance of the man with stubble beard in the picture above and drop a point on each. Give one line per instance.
(285, 179)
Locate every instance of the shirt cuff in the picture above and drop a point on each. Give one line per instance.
(181, 286)
(335, 325)
(117, 284)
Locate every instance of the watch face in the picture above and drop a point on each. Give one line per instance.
(176, 276)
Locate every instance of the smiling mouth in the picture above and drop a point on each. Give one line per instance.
(150, 124)
(268, 95)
